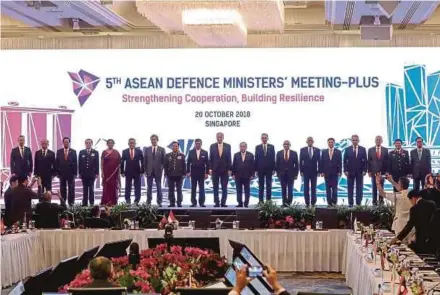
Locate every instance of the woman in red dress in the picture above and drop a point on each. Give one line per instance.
(110, 165)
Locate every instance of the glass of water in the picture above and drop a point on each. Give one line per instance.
(319, 225)
(192, 224)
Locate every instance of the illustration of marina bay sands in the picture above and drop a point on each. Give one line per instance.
(414, 109)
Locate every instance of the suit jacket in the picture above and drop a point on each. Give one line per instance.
(265, 163)
(45, 166)
(243, 169)
(21, 203)
(48, 214)
(307, 165)
(290, 166)
(88, 163)
(353, 164)
(175, 164)
(198, 167)
(66, 168)
(330, 167)
(95, 222)
(154, 162)
(8, 195)
(377, 164)
(422, 167)
(220, 164)
(398, 163)
(132, 167)
(21, 165)
(420, 218)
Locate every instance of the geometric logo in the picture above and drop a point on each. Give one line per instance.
(413, 109)
(84, 84)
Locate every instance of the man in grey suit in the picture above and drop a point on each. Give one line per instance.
(377, 164)
(154, 157)
(420, 164)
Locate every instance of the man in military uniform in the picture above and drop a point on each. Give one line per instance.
(174, 171)
(88, 171)
(398, 159)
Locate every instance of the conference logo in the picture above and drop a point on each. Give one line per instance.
(413, 109)
(84, 83)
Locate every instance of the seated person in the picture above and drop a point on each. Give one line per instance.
(48, 212)
(101, 271)
(420, 216)
(433, 191)
(95, 221)
(21, 201)
(270, 274)
(13, 182)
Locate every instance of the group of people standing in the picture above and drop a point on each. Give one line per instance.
(355, 162)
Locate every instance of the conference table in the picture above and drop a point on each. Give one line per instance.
(285, 250)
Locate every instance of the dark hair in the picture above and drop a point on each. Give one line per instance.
(330, 138)
(110, 140)
(13, 179)
(175, 141)
(100, 268)
(413, 194)
(91, 140)
(198, 140)
(264, 134)
(64, 138)
(22, 178)
(154, 135)
(94, 211)
(404, 182)
(134, 248)
(130, 139)
(418, 137)
(397, 140)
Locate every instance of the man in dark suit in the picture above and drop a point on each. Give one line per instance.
(67, 169)
(220, 164)
(419, 217)
(197, 168)
(420, 164)
(355, 168)
(154, 162)
(21, 201)
(242, 171)
(101, 269)
(175, 171)
(21, 159)
(377, 163)
(45, 166)
(132, 167)
(48, 212)
(96, 220)
(264, 167)
(330, 167)
(8, 195)
(398, 162)
(309, 166)
(88, 171)
(287, 171)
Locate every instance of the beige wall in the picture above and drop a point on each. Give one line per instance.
(182, 41)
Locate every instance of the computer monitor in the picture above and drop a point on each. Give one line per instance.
(97, 291)
(201, 217)
(63, 273)
(37, 284)
(84, 259)
(248, 218)
(328, 216)
(114, 249)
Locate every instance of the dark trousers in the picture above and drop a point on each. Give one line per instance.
(88, 191)
(286, 188)
(239, 184)
(331, 187)
(129, 179)
(175, 183)
(157, 177)
(68, 183)
(223, 177)
(374, 190)
(310, 181)
(353, 178)
(200, 180)
(418, 183)
(46, 184)
(264, 177)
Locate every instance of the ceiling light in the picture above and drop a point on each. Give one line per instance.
(205, 16)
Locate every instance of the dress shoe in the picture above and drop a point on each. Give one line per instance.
(179, 205)
(193, 205)
(216, 205)
(171, 205)
(203, 206)
(246, 206)
(224, 206)
(239, 206)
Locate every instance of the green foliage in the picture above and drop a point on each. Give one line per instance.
(147, 214)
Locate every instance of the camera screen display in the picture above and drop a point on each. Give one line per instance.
(249, 258)
(238, 263)
(255, 271)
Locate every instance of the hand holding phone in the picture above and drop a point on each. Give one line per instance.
(255, 271)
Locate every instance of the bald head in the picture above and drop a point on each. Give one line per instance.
(101, 268)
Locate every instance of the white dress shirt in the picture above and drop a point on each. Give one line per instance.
(401, 216)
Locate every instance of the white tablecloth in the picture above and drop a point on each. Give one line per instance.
(359, 272)
(18, 257)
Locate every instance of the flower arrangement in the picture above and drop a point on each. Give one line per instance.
(161, 271)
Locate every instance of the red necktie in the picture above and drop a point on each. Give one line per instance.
(378, 153)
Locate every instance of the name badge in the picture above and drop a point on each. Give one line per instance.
(179, 157)
(92, 154)
(83, 156)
